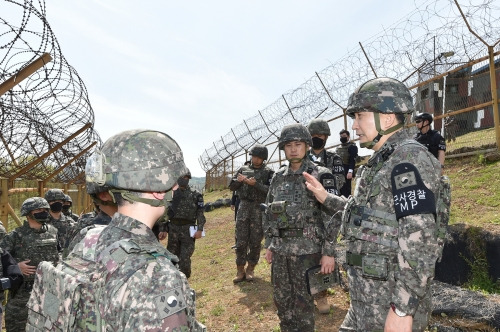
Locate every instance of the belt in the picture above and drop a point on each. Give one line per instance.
(182, 222)
(291, 232)
(353, 259)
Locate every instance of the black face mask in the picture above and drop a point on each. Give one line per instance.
(65, 208)
(182, 182)
(56, 207)
(343, 140)
(41, 217)
(318, 143)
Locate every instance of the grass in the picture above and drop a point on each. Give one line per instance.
(247, 306)
(223, 306)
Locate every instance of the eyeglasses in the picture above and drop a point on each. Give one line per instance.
(418, 121)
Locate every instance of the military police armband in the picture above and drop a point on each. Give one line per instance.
(328, 181)
(410, 194)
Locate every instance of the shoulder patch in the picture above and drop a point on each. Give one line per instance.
(169, 303)
(410, 194)
(329, 183)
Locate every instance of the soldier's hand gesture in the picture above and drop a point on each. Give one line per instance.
(26, 269)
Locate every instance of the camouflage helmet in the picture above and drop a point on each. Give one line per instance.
(319, 127)
(142, 160)
(381, 95)
(67, 198)
(55, 195)
(424, 117)
(294, 132)
(94, 188)
(259, 150)
(188, 174)
(33, 203)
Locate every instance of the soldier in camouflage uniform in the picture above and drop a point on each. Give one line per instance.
(251, 183)
(145, 291)
(33, 242)
(320, 131)
(186, 211)
(297, 236)
(105, 209)
(390, 223)
(66, 209)
(348, 151)
(64, 224)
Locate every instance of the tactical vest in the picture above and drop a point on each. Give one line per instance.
(70, 296)
(381, 227)
(343, 152)
(293, 206)
(35, 246)
(262, 175)
(331, 161)
(186, 207)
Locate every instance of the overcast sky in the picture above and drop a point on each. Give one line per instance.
(195, 69)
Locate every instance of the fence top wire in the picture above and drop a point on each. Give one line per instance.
(432, 39)
(47, 107)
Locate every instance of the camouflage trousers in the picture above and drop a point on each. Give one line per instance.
(291, 297)
(249, 233)
(16, 312)
(181, 244)
(370, 304)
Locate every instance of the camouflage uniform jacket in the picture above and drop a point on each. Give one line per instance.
(25, 243)
(64, 226)
(258, 192)
(409, 243)
(86, 220)
(333, 162)
(151, 297)
(187, 205)
(303, 209)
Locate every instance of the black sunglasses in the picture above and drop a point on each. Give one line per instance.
(418, 121)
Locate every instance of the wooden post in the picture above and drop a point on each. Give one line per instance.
(4, 202)
(494, 95)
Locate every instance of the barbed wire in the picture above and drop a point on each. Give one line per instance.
(47, 107)
(432, 39)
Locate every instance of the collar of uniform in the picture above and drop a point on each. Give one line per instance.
(306, 163)
(131, 225)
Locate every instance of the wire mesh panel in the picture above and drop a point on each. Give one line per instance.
(47, 107)
(437, 37)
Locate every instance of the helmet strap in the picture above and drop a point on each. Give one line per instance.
(134, 198)
(295, 160)
(372, 143)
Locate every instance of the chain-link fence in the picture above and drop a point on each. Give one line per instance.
(442, 51)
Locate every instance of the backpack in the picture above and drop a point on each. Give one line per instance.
(67, 297)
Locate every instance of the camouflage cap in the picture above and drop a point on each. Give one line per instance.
(33, 203)
(382, 95)
(142, 160)
(67, 198)
(294, 132)
(55, 195)
(259, 150)
(319, 127)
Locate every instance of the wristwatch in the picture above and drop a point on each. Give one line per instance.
(397, 311)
